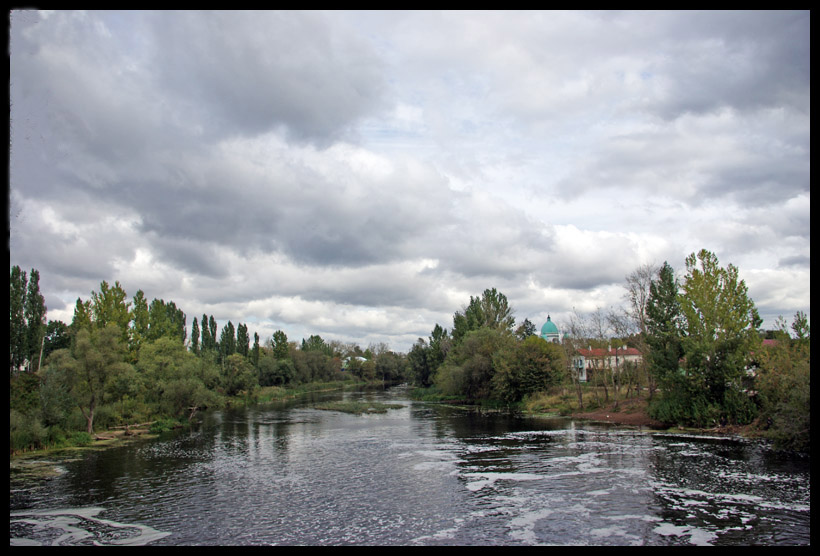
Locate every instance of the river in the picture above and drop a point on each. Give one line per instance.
(290, 474)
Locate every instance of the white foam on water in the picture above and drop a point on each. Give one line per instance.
(65, 527)
(489, 479)
(698, 537)
(616, 531)
(444, 534)
(523, 526)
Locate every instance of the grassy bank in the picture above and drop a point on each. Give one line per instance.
(32, 439)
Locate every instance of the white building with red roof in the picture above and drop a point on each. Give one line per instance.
(592, 359)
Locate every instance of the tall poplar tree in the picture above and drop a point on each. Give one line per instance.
(35, 313)
(663, 325)
(17, 320)
(27, 320)
(242, 340)
(139, 324)
(212, 330)
(255, 351)
(195, 336)
(227, 341)
(207, 339)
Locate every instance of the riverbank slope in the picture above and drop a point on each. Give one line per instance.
(633, 412)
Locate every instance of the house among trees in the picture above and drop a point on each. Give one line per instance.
(587, 361)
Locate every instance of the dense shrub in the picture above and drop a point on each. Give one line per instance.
(25, 432)
(81, 438)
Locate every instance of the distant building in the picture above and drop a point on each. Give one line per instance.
(550, 332)
(589, 360)
(346, 361)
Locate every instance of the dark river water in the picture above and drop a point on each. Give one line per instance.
(290, 474)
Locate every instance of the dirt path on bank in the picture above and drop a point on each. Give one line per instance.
(633, 412)
(630, 412)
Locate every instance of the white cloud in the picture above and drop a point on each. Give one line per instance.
(361, 175)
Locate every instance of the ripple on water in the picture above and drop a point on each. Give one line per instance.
(417, 477)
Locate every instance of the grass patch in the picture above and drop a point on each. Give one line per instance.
(358, 408)
(278, 393)
(545, 403)
(433, 394)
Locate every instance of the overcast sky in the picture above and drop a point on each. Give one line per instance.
(359, 175)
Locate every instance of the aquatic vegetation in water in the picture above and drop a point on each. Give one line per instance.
(358, 408)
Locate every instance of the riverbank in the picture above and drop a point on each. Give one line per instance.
(119, 434)
(633, 412)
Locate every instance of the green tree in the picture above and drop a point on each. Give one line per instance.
(279, 345)
(165, 319)
(314, 365)
(418, 361)
(56, 402)
(784, 388)
(702, 345)
(663, 325)
(525, 330)
(720, 325)
(185, 396)
(470, 365)
(195, 336)
(27, 320)
(17, 320)
(110, 306)
(207, 339)
(242, 340)
(238, 376)
(98, 355)
(255, 351)
(35, 313)
(162, 361)
(81, 319)
(316, 343)
(526, 367)
(212, 332)
(275, 372)
(440, 343)
(227, 341)
(389, 366)
(58, 336)
(491, 310)
(123, 385)
(800, 326)
(139, 324)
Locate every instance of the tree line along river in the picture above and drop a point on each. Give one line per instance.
(421, 474)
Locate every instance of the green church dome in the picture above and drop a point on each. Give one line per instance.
(549, 327)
